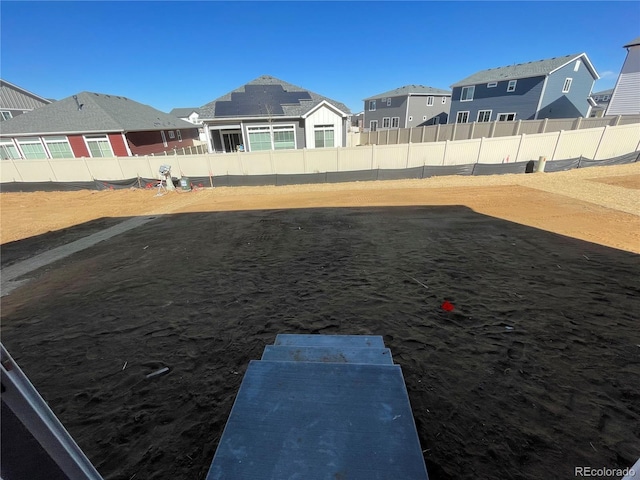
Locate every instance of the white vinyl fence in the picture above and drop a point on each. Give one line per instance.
(594, 143)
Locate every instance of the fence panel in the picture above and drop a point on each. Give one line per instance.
(462, 152)
(530, 127)
(133, 167)
(192, 166)
(463, 131)
(427, 154)
(320, 160)
(105, 168)
(225, 164)
(618, 141)
(358, 158)
(533, 147)
(446, 132)
(289, 162)
(578, 143)
(505, 129)
(391, 156)
(498, 150)
(9, 172)
(70, 170)
(257, 163)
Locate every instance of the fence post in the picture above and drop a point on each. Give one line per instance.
(617, 121)
(444, 154)
(304, 160)
(543, 127)
(479, 150)
(492, 130)
(453, 131)
(517, 159)
(424, 129)
(604, 131)
(16, 169)
(518, 125)
(373, 155)
(578, 123)
(555, 149)
(408, 154)
(473, 130)
(410, 134)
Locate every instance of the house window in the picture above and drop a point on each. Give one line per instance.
(32, 148)
(395, 122)
(511, 86)
(467, 94)
(324, 136)
(373, 125)
(265, 138)
(179, 135)
(605, 98)
(284, 137)
(462, 117)
(5, 115)
(506, 117)
(576, 67)
(444, 100)
(389, 102)
(58, 147)
(99, 145)
(429, 101)
(436, 120)
(164, 138)
(492, 84)
(386, 122)
(8, 151)
(484, 116)
(567, 85)
(372, 105)
(171, 134)
(259, 138)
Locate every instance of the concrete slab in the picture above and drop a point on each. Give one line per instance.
(289, 353)
(320, 421)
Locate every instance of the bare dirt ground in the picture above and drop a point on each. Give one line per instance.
(534, 372)
(597, 204)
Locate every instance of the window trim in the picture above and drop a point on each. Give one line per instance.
(179, 135)
(458, 116)
(484, 111)
(397, 122)
(506, 114)
(386, 122)
(388, 101)
(87, 138)
(373, 128)
(3, 117)
(9, 142)
(576, 67)
(444, 100)
(164, 138)
(492, 84)
(567, 85)
(430, 101)
(324, 128)
(271, 129)
(57, 139)
(20, 142)
(511, 86)
(471, 89)
(372, 105)
(172, 135)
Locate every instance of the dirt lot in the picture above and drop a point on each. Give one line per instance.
(534, 372)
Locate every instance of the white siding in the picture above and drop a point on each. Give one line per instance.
(323, 116)
(626, 96)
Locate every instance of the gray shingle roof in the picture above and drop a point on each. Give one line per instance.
(411, 90)
(183, 112)
(522, 70)
(99, 113)
(633, 43)
(208, 111)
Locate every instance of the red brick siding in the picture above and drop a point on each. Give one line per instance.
(78, 147)
(146, 143)
(117, 145)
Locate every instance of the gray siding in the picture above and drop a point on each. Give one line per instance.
(523, 101)
(398, 108)
(556, 104)
(418, 110)
(12, 99)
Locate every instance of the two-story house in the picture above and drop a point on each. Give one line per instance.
(558, 87)
(15, 100)
(406, 107)
(601, 100)
(626, 94)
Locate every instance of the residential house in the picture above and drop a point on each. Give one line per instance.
(601, 100)
(626, 94)
(93, 125)
(191, 115)
(270, 114)
(406, 107)
(15, 100)
(558, 87)
(357, 122)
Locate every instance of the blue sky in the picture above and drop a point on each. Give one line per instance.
(188, 53)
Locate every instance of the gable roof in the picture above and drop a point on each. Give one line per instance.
(183, 112)
(12, 96)
(266, 96)
(633, 43)
(89, 112)
(538, 68)
(411, 90)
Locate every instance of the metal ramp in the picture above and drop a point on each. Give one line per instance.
(321, 407)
